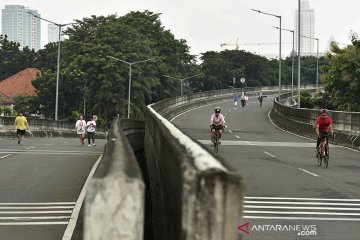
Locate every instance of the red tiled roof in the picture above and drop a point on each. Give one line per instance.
(19, 84)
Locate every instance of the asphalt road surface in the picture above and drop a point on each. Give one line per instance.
(41, 181)
(287, 195)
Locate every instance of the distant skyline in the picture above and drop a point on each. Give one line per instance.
(206, 24)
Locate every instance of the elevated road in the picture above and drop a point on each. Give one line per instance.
(284, 185)
(41, 183)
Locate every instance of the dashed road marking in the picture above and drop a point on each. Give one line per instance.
(269, 154)
(5, 156)
(313, 174)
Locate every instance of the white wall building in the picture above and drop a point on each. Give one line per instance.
(307, 28)
(53, 33)
(20, 26)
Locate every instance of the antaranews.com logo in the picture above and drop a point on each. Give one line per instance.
(301, 230)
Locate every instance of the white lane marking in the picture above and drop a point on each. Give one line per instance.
(29, 148)
(41, 203)
(262, 144)
(315, 175)
(269, 154)
(237, 136)
(235, 108)
(305, 203)
(312, 208)
(34, 212)
(49, 144)
(304, 213)
(47, 151)
(314, 199)
(231, 132)
(32, 223)
(75, 214)
(51, 207)
(303, 218)
(7, 155)
(34, 218)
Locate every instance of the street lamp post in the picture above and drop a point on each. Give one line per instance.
(299, 53)
(278, 16)
(130, 65)
(292, 53)
(58, 61)
(181, 81)
(317, 59)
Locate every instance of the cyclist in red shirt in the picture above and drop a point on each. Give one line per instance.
(323, 127)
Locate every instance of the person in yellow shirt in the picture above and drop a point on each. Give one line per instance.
(21, 125)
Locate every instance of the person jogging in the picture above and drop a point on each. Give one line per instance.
(21, 125)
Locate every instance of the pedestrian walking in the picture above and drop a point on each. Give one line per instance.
(235, 99)
(21, 126)
(80, 126)
(91, 126)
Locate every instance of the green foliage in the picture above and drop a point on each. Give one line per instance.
(88, 73)
(12, 59)
(5, 110)
(306, 100)
(342, 76)
(27, 104)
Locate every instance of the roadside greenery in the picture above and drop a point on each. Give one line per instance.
(90, 77)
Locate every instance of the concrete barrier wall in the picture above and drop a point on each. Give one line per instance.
(301, 121)
(42, 128)
(195, 195)
(114, 204)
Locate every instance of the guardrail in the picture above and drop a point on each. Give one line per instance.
(114, 204)
(301, 121)
(41, 128)
(195, 195)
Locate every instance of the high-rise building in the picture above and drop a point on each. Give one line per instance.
(307, 29)
(20, 26)
(53, 33)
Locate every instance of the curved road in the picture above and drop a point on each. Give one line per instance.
(40, 184)
(287, 195)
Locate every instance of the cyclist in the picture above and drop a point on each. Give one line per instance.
(217, 121)
(323, 125)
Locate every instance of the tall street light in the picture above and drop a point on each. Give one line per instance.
(293, 55)
(299, 53)
(181, 81)
(317, 59)
(58, 61)
(278, 16)
(130, 64)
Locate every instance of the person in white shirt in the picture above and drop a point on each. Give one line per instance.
(217, 121)
(91, 126)
(80, 129)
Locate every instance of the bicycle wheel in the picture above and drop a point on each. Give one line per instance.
(216, 142)
(326, 161)
(319, 158)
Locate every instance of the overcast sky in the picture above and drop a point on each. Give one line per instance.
(205, 24)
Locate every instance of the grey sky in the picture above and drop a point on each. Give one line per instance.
(205, 24)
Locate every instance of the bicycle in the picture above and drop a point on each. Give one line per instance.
(323, 152)
(216, 137)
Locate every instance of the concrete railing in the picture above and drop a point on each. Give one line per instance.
(114, 204)
(301, 121)
(42, 128)
(195, 195)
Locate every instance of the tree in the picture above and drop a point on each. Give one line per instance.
(88, 73)
(342, 76)
(12, 59)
